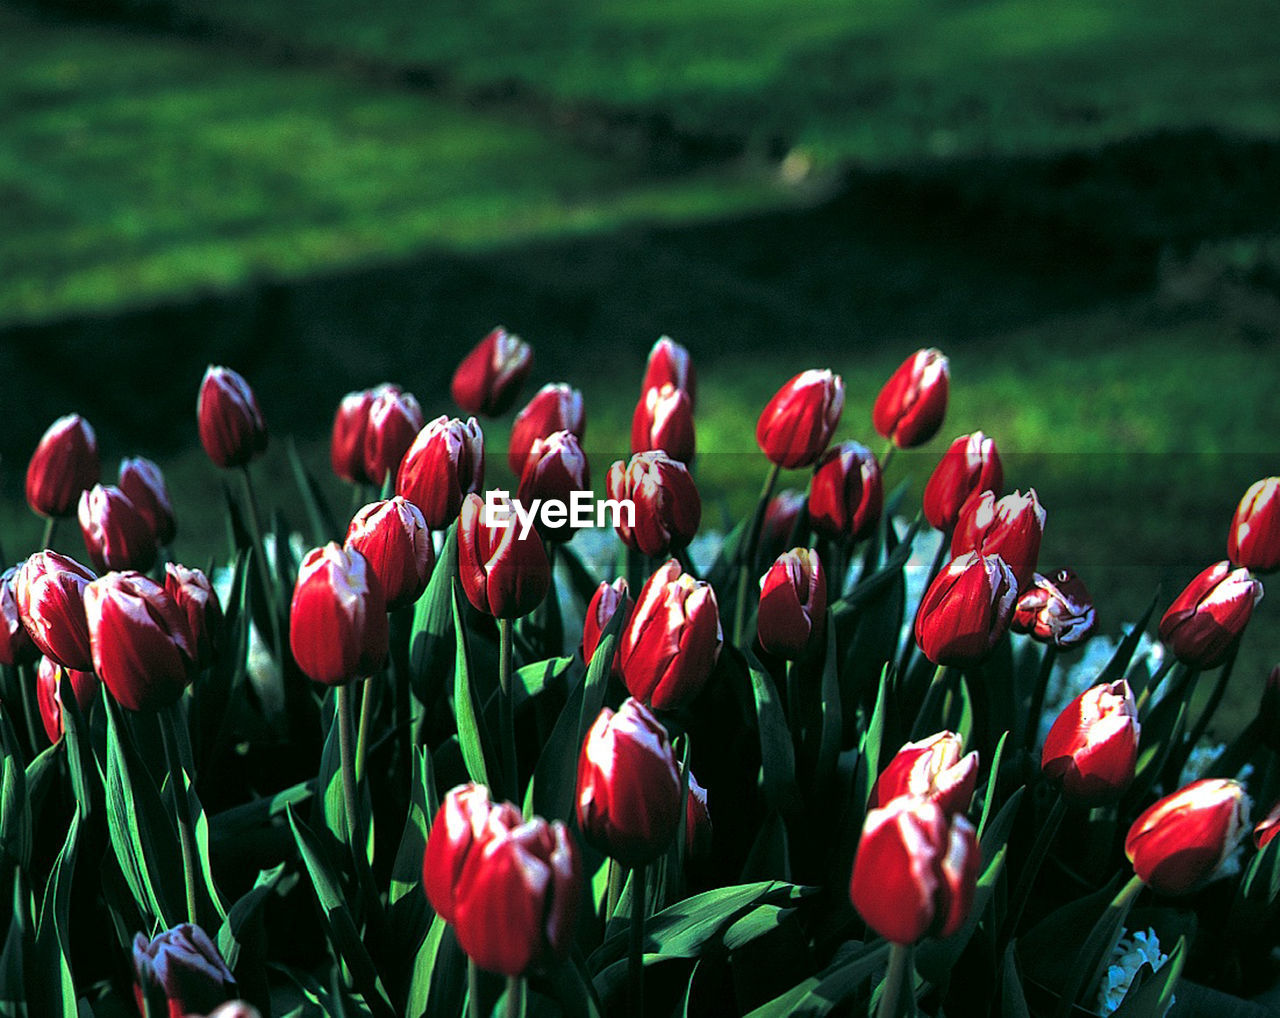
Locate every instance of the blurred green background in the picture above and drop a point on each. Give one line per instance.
(1079, 203)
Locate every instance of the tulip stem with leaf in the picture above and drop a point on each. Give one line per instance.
(344, 721)
(889, 449)
(513, 1005)
(748, 553)
(635, 944)
(897, 978)
(1097, 947)
(1153, 683)
(362, 739)
(506, 720)
(169, 720)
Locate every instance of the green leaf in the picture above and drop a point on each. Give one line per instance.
(1118, 666)
(1261, 881)
(821, 994)
(872, 748)
(777, 754)
(431, 639)
(13, 983)
(832, 731)
(478, 750)
(1015, 1001)
(243, 912)
(770, 855)
(989, 797)
(323, 527)
(760, 921)
(439, 983)
(534, 679)
(53, 932)
(408, 905)
(15, 805)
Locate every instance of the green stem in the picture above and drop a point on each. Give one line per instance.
(1032, 729)
(50, 528)
(635, 947)
(1154, 684)
(362, 740)
(1096, 950)
(748, 554)
(616, 882)
(793, 706)
(515, 999)
(169, 719)
(1215, 700)
(895, 980)
(267, 575)
(938, 687)
(1039, 850)
(887, 457)
(473, 990)
(344, 721)
(506, 718)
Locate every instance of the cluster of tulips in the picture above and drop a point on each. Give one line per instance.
(485, 813)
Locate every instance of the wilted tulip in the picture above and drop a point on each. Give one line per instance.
(465, 820)
(934, 768)
(116, 534)
(84, 685)
(846, 496)
(444, 464)
(338, 617)
(1206, 620)
(667, 507)
(553, 408)
(50, 593)
(1254, 538)
(970, 465)
(966, 610)
(1178, 842)
(663, 419)
(15, 642)
(798, 422)
(1055, 610)
(793, 604)
(182, 968)
(1010, 527)
(503, 574)
(394, 422)
(628, 797)
(670, 363)
(555, 469)
(1268, 827)
(673, 639)
(232, 430)
(489, 378)
(915, 871)
(141, 641)
(64, 464)
(913, 402)
(1092, 748)
(606, 602)
(393, 537)
(143, 484)
(196, 598)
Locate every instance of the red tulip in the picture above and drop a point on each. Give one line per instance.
(64, 464)
(1206, 620)
(116, 534)
(1092, 748)
(346, 443)
(182, 968)
(966, 610)
(553, 408)
(1178, 843)
(84, 686)
(667, 507)
(394, 422)
(15, 642)
(1055, 609)
(392, 536)
(555, 469)
(606, 602)
(697, 823)
(1267, 828)
(628, 797)
(663, 419)
(1010, 527)
(779, 523)
(444, 464)
(915, 870)
(196, 598)
(141, 641)
(489, 378)
(143, 484)
(796, 425)
(912, 404)
(338, 617)
(846, 496)
(670, 363)
(503, 574)
(50, 594)
(232, 430)
(969, 466)
(672, 640)
(465, 821)
(793, 604)
(1254, 538)
(933, 768)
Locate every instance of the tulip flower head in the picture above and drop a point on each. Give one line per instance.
(15, 642)
(935, 768)
(668, 509)
(1206, 621)
(793, 604)
(444, 465)
(338, 617)
(232, 430)
(555, 468)
(395, 418)
(606, 602)
(1010, 527)
(670, 363)
(1178, 842)
(846, 496)
(64, 464)
(50, 593)
(392, 536)
(346, 441)
(1056, 609)
(553, 408)
(503, 574)
(913, 402)
(465, 820)
(970, 465)
(1092, 749)
(182, 968)
(116, 534)
(143, 484)
(966, 610)
(489, 378)
(1254, 538)
(195, 596)
(663, 419)
(798, 422)
(84, 686)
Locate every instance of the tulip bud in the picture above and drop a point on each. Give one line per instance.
(554, 470)
(1055, 609)
(606, 602)
(394, 422)
(846, 496)
(232, 430)
(50, 594)
(141, 641)
(1092, 748)
(143, 485)
(1206, 620)
(667, 507)
(64, 464)
(697, 823)
(912, 404)
(1010, 527)
(338, 616)
(934, 769)
(489, 378)
(966, 610)
(779, 523)
(628, 785)
(197, 600)
(915, 871)
(465, 821)
(1254, 538)
(116, 534)
(553, 408)
(503, 574)
(672, 640)
(392, 536)
(444, 464)
(1267, 828)
(183, 968)
(670, 363)
(969, 466)
(84, 686)
(346, 444)
(15, 642)
(796, 425)
(793, 604)
(1178, 842)
(663, 419)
